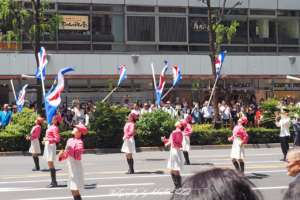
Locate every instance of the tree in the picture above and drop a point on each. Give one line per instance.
(31, 22)
(219, 30)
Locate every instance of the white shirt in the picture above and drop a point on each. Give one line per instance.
(298, 104)
(169, 110)
(79, 113)
(145, 111)
(207, 111)
(185, 116)
(226, 113)
(87, 119)
(137, 112)
(284, 125)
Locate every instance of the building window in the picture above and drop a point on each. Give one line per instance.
(199, 48)
(235, 49)
(29, 5)
(49, 47)
(287, 13)
(105, 47)
(288, 32)
(140, 9)
(172, 29)
(262, 31)
(198, 32)
(198, 11)
(263, 49)
(138, 48)
(140, 28)
(262, 12)
(236, 12)
(289, 49)
(107, 28)
(172, 48)
(117, 8)
(171, 10)
(74, 47)
(76, 28)
(72, 7)
(240, 37)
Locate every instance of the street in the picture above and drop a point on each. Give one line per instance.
(105, 178)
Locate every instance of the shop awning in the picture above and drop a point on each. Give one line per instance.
(283, 94)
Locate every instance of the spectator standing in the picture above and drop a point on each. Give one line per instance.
(183, 102)
(5, 116)
(60, 112)
(126, 104)
(186, 106)
(136, 111)
(15, 110)
(206, 112)
(157, 107)
(169, 109)
(250, 115)
(79, 113)
(145, 109)
(293, 168)
(187, 114)
(242, 113)
(87, 116)
(225, 112)
(92, 106)
(65, 108)
(151, 109)
(171, 103)
(139, 103)
(197, 114)
(296, 126)
(234, 113)
(292, 103)
(69, 119)
(253, 102)
(178, 114)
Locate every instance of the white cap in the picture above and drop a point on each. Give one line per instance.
(168, 101)
(296, 115)
(69, 108)
(72, 110)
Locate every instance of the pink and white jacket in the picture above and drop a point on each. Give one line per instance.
(77, 148)
(240, 132)
(35, 132)
(53, 134)
(175, 139)
(188, 130)
(129, 130)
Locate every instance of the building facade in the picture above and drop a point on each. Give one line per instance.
(101, 35)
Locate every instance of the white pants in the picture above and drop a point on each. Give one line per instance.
(35, 146)
(237, 152)
(175, 161)
(186, 143)
(76, 175)
(49, 152)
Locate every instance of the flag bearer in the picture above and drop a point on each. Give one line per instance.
(52, 137)
(186, 139)
(35, 148)
(239, 138)
(129, 143)
(175, 162)
(73, 152)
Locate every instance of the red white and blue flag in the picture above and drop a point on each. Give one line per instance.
(219, 63)
(122, 71)
(52, 98)
(161, 84)
(43, 63)
(176, 75)
(21, 98)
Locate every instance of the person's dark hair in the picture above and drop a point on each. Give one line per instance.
(182, 128)
(65, 103)
(139, 104)
(133, 120)
(293, 193)
(57, 123)
(82, 136)
(117, 103)
(218, 184)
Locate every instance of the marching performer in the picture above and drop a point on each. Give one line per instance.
(35, 144)
(52, 137)
(284, 136)
(74, 149)
(175, 162)
(186, 139)
(129, 143)
(239, 138)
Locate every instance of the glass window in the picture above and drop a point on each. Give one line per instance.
(140, 9)
(262, 31)
(140, 28)
(72, 7)
(117, 8)
(107, 28)
(105, 47)
(199, 48)
(76, 28)
(172, 48)
(287, 13)
(198, 32)
(198, 11)
(74, 47)
(172, 29)
(288, 49)
(262, 12)
(6, 25)
(29, 5)
(172, 10)
(48, 47)
(138, 48)
(236, 12)
(240, 37)
(234, 49)
(263, 49)
(288, 32)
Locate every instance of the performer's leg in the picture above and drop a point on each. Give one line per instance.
(36, 162)
(242, 165)
(236, 164)
(186, 157)
(287, 147)
(178, 179)
(130, 163)
(53, 175)
(282, 146)
(76, 195)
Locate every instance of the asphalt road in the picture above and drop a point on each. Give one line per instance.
(105, 178)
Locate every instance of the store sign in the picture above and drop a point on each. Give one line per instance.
(74, 22)
(197, 25)
(4, 46)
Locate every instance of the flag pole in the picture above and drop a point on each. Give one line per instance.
(42, 75)
(109, 94)
(153, 75)
(13, 88)
(166, 93)
(212, 92)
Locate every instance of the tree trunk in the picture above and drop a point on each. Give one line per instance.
(213, 61)
(39, 92)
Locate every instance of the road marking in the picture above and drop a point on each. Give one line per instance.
(250, 166)
(228, 155)
(271, 188)
(60, 188)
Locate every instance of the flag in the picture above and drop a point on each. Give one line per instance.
(219, 63)
(122, 71)
(176, 75)
(52, 98)
(21, 98)
(161, 84)
(42, 63)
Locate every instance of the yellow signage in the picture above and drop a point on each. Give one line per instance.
(74, 22)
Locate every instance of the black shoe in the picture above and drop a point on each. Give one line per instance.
(53, 178)
(52, 185)
(36, 162)
(130, 171)
(131, 162)
(174, 181)
(187, 158)
(242, 164)
(78, 197)
(236, 165)
(283, 159)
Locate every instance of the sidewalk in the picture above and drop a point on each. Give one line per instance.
(149, 149)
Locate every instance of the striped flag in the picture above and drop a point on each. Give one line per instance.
(21, 98)
(176, 75)
(219, 63)
(161, 84)
(122, 71)
(43, 62)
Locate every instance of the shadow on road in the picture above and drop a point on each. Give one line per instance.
(201, 164)
(258, 176)
(48, 170)
(91, 186)
(157, 172)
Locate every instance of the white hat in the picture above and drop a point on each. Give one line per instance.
(72, 110)
(168, 101)
(69, 108)
(296, 115)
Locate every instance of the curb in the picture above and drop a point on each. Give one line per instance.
(153, 149)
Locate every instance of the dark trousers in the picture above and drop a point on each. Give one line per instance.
(207, 120)
(297, 138)
(284, 145)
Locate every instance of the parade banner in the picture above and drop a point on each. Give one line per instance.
(21, 98)
(161, 84)
(43, 62)
(74, 22)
